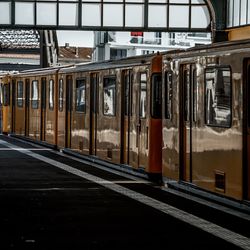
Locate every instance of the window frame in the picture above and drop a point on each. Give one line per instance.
(34, 102)
(153, 106)
(82, 87)
(6, 94)
(60, 94)
(168, 112)
(18, 96)
(51, 94)
(205, 96)
(146, 90)
(115, 97)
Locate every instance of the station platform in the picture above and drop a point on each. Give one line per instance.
(51, 200)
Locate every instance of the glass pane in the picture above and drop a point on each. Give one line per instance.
(168, 95)
(5, 10)
(178, 1)
(230, 13)
(248, 12)
(198, 2)
(34, 95)
(61, 95)
(134, 15)
(91, 15)
(156, 96)
(143, 96)
(115, 1)
(200, 17)
(51, 94)
(97, 1)
(134, 1)
(157, 16)
(183, 16)
(236, 20)
(68, 14)
(112, 15)
(218, 97)
(157, 1)
(20, 94)
(28, 8)
(81, 95)
(243, 12)
(109, 96)
(46, 14)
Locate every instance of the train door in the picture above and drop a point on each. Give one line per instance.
(27, 106)
(246, 132)
(69, 96)
(43, 109)
(142, 128)
(125, 115)
(187, 120)
(94, 80)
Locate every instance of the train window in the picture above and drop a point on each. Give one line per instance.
(34, 95)
(6, 94)
(109, 95)
(60, 94)
(218, 97)
(186, 96)
(81, 95)
(128, 105)
(19, 93)
(195, 94)
(51, 94)
(156, 95)
(143, 95)
(168, 94)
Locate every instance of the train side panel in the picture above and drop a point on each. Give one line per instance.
(19, 128)
(108, 119)
(209, 126)
(80, 113)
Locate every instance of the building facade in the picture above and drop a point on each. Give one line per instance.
(115, 45)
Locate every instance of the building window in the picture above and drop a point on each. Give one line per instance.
(20, 94)
(60, 94)
(109, 96)
(51, 94)
(218, 97)
(34, 94)
(143, 95)
(118, 53)
(81, 95)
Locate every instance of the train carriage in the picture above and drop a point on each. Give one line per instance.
(5, 103)
(35, 106)
(180, 115)
(102, 119)
(205, 118)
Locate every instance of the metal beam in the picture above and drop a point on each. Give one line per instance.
(102, 15)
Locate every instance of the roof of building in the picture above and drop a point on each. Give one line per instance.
(19, 39)
(75, 53)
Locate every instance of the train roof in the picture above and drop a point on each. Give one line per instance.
(217, 48)
(109, 64)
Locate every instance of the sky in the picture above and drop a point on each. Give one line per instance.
(76, 38)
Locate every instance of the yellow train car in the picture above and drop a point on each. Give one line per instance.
(6, 106)
(35, 104)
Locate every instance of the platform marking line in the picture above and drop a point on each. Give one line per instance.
(209, 227)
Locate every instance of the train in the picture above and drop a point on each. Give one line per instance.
(179, 116)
